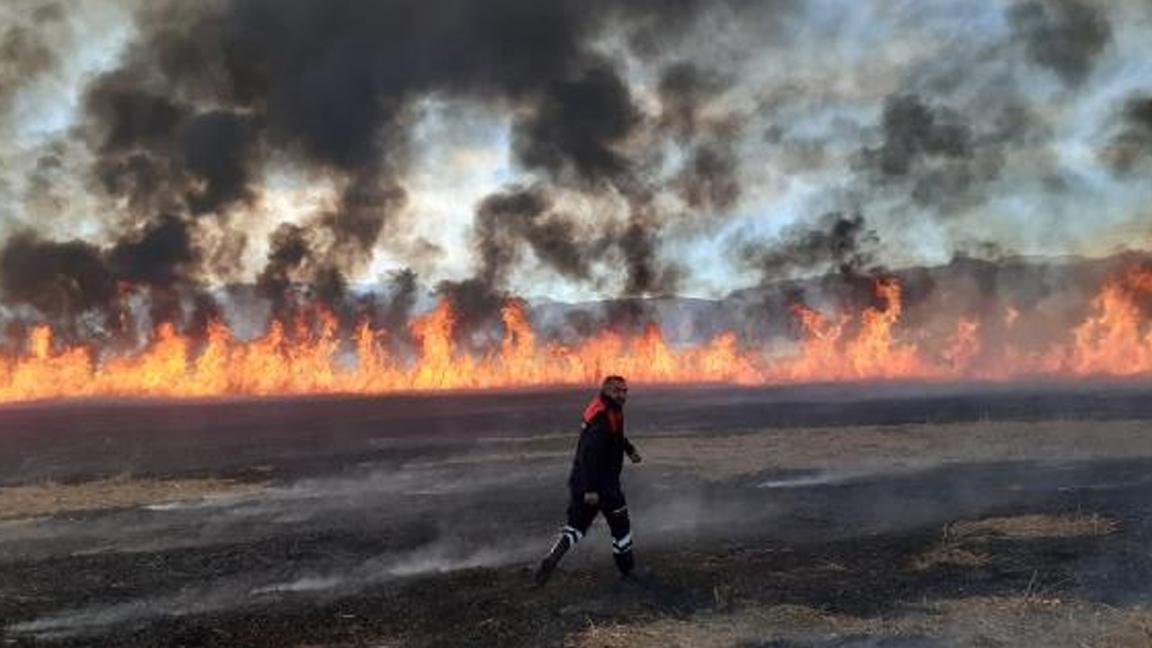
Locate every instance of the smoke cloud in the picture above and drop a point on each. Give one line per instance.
(1064, 36)
(1131, 148)
(626, 136)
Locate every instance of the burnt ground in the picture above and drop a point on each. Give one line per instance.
(800, 516)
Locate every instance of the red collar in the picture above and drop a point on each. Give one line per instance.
(615, 415)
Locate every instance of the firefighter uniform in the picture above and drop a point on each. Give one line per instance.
(596, 469)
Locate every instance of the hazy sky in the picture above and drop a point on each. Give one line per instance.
(983, 127)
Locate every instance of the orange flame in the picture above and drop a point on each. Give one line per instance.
(1115, 339)
(964, 345)
(309, 357)
(830, 353)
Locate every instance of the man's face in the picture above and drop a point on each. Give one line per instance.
(617, 391)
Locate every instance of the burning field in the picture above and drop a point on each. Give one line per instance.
(195, 205)
(310, 355)
(300, 302)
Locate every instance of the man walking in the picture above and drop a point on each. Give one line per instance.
(594, 484)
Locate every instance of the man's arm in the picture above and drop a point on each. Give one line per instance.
(631, 451)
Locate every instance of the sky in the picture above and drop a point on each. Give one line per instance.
(688, 147)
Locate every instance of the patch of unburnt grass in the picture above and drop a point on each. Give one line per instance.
(119, 492)
(1023, 527)
(969, 543)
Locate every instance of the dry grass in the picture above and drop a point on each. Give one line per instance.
(1023, 527)
(118, 492)
(1037, 621)
(950, 555)
(975, 621)
(880, 449)
(962, 541)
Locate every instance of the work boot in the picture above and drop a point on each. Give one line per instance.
(624, 562)
(548, 565)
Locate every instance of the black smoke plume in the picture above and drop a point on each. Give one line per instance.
(576, 125)
(914, 134)
(684, 89)
(61, 280)
(841, 243)
(709, 180)
(402, 296)
(641, 111)
(209, 94)
(1064, 36)
(1131, 148)
(508, 221)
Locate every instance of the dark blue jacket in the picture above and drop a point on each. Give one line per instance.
(600, 451)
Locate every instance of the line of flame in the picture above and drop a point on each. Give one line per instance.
(1114, 340)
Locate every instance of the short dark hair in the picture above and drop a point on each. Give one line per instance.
(612, 379)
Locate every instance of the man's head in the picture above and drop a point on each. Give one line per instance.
(615, 389)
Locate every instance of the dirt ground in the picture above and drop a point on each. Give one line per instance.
(809, 517)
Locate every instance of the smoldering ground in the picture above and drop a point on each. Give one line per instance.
(338, 512)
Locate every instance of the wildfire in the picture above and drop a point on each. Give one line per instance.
(1116, 339)
(830, 352)
(309, 356)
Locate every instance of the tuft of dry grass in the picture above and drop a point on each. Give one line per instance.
(950, 555)
(1023, 527)
(956, 549)
(51, 498)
